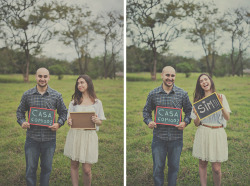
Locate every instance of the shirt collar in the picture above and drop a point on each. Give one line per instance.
(35, 91)
(173, 89)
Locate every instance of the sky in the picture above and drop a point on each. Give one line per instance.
(180, 46)
(57, 50)
(184, 47)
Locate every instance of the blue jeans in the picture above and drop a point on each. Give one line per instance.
(34, 150)
(160, 150)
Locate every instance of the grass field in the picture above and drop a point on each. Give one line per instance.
(235, 171)
(108, 170)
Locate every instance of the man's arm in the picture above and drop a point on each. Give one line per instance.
(22, 108)
(147, 113)
(62, 111)
(187, 108)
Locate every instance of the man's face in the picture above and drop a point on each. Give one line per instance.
(42, 77)
(168, 77)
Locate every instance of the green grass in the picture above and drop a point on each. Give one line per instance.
(235, 171)
(109, 168)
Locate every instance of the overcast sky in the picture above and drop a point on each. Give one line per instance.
(58, 50)
(181, 46)
(184, 47)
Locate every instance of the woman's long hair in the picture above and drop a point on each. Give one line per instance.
(199, 93)
(77, 96)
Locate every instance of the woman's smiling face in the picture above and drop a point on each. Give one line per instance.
(82, 85)
(205, 83)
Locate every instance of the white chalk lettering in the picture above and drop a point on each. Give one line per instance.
(201, 108)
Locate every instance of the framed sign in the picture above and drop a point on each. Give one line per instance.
(207, 106)
(82, 120)
(168, 116)
(41, 116)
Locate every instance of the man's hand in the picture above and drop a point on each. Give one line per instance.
(152, 125)
(25, 125)
(54, 127)
(181, 126)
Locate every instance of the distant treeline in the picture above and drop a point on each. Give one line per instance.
(12, 61)
(141, 60)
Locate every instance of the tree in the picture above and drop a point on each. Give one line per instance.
(184, 67)
(206, 31)
(57, 70)
(79, 26)
(27, 25)
(138, 59)
(110, 27)
(236, 23)
(155, 24)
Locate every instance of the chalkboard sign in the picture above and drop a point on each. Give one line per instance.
(167, 116)
(207, 106)
(41, 116)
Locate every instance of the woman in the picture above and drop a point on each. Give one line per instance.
(82, 145)
(210, 143)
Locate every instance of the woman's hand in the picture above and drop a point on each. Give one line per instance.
(69, 121)
(96, 120)
(220, 97)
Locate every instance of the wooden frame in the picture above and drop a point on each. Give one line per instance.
(82, 120)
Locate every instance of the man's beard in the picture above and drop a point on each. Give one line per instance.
(42, 86)
(165, 83)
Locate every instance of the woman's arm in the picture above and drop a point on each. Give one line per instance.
(226, 114)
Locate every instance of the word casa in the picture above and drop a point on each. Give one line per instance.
(41, 114)
(167, 113)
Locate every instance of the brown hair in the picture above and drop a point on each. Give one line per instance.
(77, 96)
(199, 93)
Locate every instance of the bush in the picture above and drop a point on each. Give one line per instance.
(57, 70)
(185, 68)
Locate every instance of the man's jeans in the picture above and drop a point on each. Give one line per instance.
(160, 150)
(34, 150)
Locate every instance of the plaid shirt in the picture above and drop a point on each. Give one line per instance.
(177, 98)
(51, 99)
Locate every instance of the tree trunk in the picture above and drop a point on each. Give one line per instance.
(26, 75)
(153, 74)
(80, 65)
(104, 59)
(208, 66)
(85, 70)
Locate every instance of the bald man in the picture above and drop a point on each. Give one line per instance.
(40, 140)
(167, 140)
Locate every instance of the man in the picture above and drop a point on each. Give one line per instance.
(167, 140)
(40, 140)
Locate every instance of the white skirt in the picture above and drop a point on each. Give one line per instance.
(82, 145)
(210, 144)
